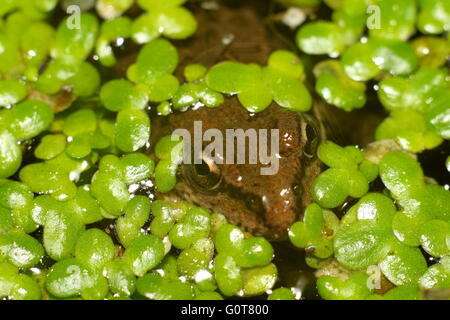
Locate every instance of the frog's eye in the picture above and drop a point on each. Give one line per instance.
(204, 176)
(311, 132)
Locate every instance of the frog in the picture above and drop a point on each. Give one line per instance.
(262, 205)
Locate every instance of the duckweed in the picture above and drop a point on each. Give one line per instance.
(75, 44)
(194, 225)
(132, 130)
(242, 77)
(336, 88)
(321, 38)
(254, 252)
(121, 94)
(398, 293)
(17, 286)
(434, 236)
(111, 192)
(358, 63)
(144, 253)
(373, 232)
(61, 232)
(400, 173)
(156, 287)
(433, 17)
(256, 87)
(259, 280)
(436, 276)
(118, 28)
(287, 91)
(10, 154)
(392, 25)
(394, 56)
(228, 275)
(14, 194)
(67, 278)
(121, 278)
(168, 19)
(109, 9)
(410, 130)
(243, 264)
(194, 72)
(432, 51)
(195, 264)
(342, 179)
(287, 63)
(169, 149)
(11, 92)
(281, 294)
(84, 205)
(315, 232)
(165, 216)
(136, 167)
(374, 207)
(20, 249)
(157, 58)
(94, 248)
(354, 288)
(413, 93)
(437, 114)
(374, 244)
(28, 119)
(25, 288)
(404, 266)
(50, 146)
(137, 212)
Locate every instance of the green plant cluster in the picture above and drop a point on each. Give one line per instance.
(382, 231)
(73, 153)
(89, 139)
(369, 40)
(401, 231)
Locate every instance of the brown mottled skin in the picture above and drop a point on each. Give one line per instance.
(261, 205)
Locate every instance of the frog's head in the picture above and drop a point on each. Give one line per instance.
(262, 204)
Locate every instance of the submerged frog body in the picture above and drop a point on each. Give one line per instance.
(263, 205)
